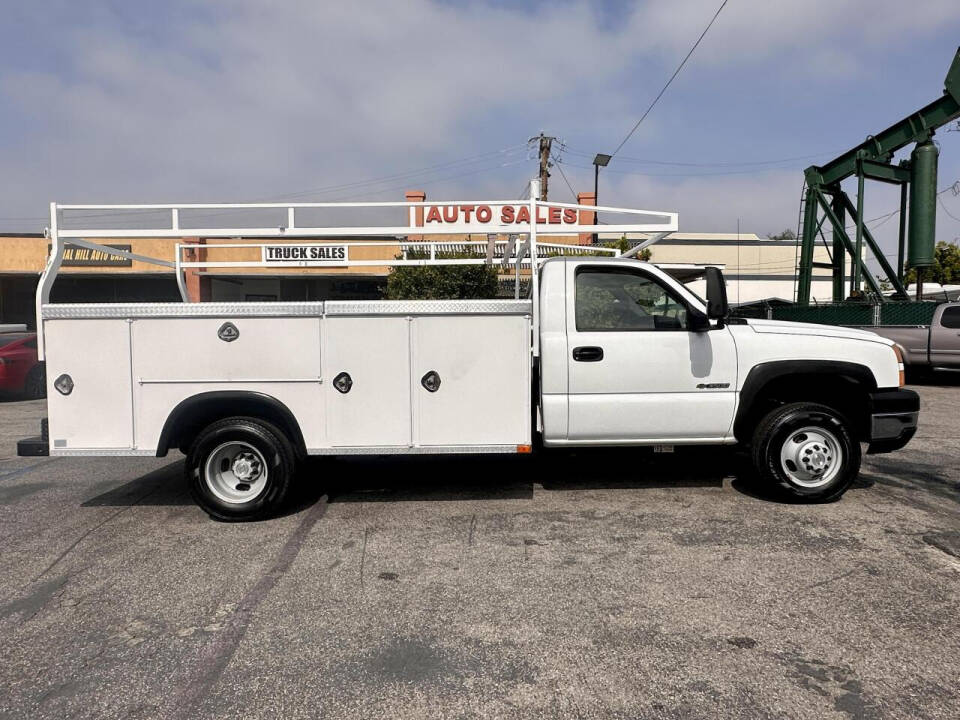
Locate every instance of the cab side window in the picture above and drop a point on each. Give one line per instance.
(620, 299)
(951, 318)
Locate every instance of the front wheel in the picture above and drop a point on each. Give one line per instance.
(806, 450)
(240, 469)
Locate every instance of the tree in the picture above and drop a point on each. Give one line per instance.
(442, 282)
(623, 245)
(787, 234)
(946, 266)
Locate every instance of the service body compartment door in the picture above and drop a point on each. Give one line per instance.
(97, 414)
(479, 370)
(370, 406)
(176, 358)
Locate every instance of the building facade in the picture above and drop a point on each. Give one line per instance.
(755, 268)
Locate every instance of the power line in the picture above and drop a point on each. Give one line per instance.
(675, 73)
(944, 208)
(366, 185)
(955, 188)
(475, 171)
(356, 185)
(745, 163)
(386, 178)
(556, 163)
(203, 216)
(678, 174)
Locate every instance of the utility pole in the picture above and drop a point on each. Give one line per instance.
(546, 142)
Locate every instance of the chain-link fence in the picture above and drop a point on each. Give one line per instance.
(754, 311)
(907, 313)
(847, 313)
(838, 314)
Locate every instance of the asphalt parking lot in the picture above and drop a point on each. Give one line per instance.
(602, 585)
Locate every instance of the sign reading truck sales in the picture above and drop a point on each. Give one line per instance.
(305, 255)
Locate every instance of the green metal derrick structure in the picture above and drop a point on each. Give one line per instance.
(825, 201)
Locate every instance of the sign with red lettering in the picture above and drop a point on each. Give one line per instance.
(455, 217)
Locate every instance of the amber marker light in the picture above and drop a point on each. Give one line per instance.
(896, 351)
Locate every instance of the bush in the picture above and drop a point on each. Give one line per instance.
(442, 282)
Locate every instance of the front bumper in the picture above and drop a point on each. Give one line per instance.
(893, 419)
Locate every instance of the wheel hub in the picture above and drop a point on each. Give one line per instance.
(811, 457)
(246, 467)
(236, 472)
(814, 457)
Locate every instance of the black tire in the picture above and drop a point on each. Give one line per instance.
(35, 386)
(259, 445)
(829, 453)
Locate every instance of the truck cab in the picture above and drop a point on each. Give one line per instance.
(929, 346)
(629, 356)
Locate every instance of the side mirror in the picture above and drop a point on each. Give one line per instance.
(698, 321)
(717, 307)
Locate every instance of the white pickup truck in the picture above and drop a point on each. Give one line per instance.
(607, 351)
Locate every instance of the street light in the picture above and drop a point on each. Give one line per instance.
(601, 160)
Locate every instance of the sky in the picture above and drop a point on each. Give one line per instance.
(242, 100)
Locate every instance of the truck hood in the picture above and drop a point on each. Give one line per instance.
(784, 327)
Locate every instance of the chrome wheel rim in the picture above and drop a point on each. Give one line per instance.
(811, 457)
(235, 472)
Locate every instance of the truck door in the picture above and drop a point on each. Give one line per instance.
(636, 371)
(945, 337)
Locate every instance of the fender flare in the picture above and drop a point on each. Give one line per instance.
(763, 374)
(234, 402)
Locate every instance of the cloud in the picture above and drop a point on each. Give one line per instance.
(765, 201)
(753, 30)
(191, 100)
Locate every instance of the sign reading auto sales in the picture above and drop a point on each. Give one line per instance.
(472, 216)
(310, 255)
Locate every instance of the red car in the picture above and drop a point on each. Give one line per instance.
(20, 371)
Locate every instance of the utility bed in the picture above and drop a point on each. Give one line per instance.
(247, 389)
(359, 377)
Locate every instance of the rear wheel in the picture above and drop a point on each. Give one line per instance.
(240, 469)
(807, 451)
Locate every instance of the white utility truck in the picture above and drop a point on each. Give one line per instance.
(604, 351)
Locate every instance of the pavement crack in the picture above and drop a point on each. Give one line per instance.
(946, 542)
(830, 580)
(363, 556)
(86, 533)
(217, 655)
(24, 470)
(473, 525)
